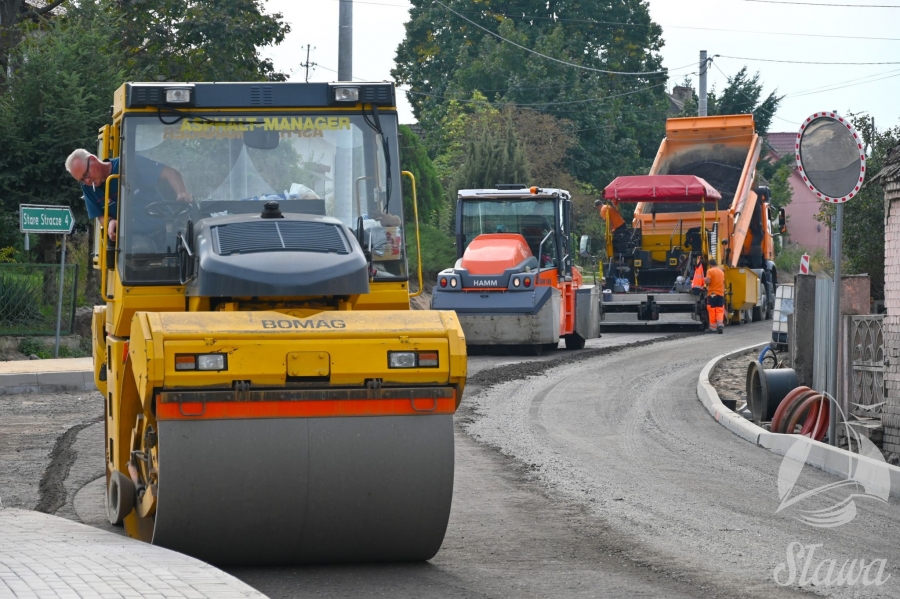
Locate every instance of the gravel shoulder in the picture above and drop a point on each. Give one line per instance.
(626, 437)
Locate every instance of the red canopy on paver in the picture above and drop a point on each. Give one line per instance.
(660, 188)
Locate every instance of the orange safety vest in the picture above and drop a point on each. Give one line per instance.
(699, 279)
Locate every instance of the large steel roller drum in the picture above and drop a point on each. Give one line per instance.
(305, 490)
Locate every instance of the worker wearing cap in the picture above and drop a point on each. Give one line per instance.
(698, 282)
(715, 299)
(615, 219)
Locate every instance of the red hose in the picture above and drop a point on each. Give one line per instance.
(804, 409)
(784, 405)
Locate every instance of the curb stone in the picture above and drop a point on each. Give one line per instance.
(833, 460)
(46, 376)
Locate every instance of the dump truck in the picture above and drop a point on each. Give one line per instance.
(650, 264)
(269, 396)
(513, 284)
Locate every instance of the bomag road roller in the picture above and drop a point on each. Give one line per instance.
(514, 284)
(270, 397)
(702, 199)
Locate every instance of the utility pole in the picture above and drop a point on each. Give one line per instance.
(307, 65)
(345, 41)
(704, 67)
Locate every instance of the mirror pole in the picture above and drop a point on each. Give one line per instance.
(836, 322)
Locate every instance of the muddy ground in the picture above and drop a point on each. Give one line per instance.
(37, 438)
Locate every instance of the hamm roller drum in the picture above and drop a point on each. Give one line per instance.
(305, 490)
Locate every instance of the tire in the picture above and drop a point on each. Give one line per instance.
(119, 498)
(574, 341)
(769, 309)
(757, 313)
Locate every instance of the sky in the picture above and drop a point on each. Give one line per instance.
(740, 32)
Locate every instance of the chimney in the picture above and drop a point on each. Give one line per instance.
(682, 92)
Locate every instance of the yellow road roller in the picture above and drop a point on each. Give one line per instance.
(269, 396)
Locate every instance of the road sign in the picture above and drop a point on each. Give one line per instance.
(804, 264)
(46, 219)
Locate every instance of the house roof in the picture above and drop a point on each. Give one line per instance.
(890, 168)
(676, 104)
(782, 143)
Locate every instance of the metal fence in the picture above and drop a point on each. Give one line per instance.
(29, 296)
(867, 361)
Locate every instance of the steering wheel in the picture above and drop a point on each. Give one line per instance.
(166, 209)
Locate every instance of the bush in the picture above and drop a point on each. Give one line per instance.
(788, 262)
(44, 351)
(438, 250)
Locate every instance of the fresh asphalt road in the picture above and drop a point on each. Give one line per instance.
(600, 474)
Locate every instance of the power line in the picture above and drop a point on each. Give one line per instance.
(831, 89)
(664, 27)
(570, 64)
(559, 103)
(752, 101)
(823, 87)
(824, 4)
(801, 61)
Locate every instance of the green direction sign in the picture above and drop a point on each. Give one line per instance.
(45, 219)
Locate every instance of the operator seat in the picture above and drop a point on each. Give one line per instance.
(533, 230)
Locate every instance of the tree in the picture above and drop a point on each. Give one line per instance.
(430, 194)
(741, 96)
(193, 40)
(618, 119)
(492, 159)
(57, 95)
(778, 174)
(12, 14)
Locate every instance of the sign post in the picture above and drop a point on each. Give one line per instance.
(832, 162)
(50, 219)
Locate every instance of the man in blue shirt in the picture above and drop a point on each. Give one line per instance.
(143, 174)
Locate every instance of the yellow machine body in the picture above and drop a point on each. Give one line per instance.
(253, 424)
(724, 150)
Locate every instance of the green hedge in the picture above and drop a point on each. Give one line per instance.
(438, 251)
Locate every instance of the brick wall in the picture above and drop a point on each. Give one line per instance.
(891, 416)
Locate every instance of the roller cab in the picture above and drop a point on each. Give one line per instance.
(270, 397)
(513, 283)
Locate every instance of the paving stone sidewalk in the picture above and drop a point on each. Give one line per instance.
(43, 556)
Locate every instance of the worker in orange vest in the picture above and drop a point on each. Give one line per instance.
(715, 299)
(698, 282)
(615, 219)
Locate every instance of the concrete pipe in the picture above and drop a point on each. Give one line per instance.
(766, 389)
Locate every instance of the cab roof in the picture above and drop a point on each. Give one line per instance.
(524, 193)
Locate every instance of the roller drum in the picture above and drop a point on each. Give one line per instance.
(305, 490)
